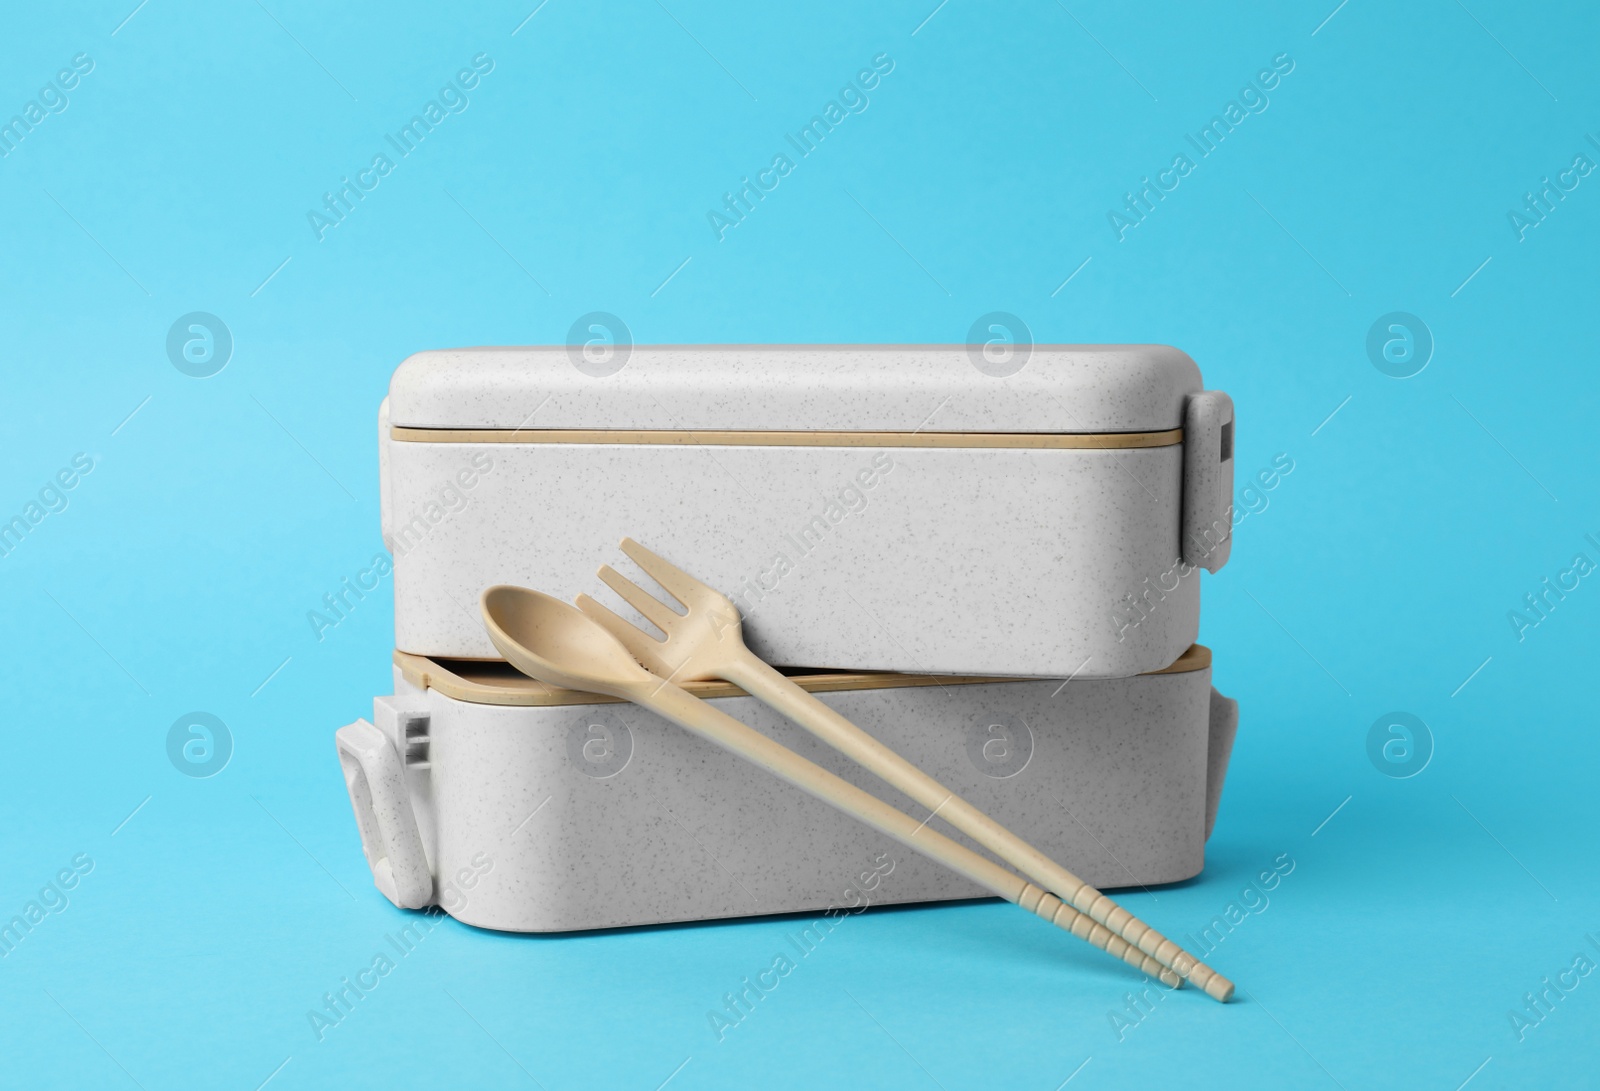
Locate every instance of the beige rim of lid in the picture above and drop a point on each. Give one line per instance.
(488, 682)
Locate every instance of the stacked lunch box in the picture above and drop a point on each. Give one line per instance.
(998, 577)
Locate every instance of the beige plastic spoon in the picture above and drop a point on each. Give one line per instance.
(556, 644)
(707, 642)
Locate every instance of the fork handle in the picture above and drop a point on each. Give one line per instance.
(690, 712)
(750, 673)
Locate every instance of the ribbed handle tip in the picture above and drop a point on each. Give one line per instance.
(1037, 901)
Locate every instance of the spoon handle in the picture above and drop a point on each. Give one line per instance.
(697, 716)
(749, 672)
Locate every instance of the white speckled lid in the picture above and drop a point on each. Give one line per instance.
(846, 388)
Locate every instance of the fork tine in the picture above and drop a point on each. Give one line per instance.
(659, 613)
(641, 645)
(674, 579)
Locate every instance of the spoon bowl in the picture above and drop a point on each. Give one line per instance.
(547, 639)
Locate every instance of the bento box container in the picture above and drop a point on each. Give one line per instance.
(886, 508)
(516, 806)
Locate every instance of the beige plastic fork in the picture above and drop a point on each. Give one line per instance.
(708, 642)
(546, 639)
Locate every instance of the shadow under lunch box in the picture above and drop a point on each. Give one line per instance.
(517, 806)
(866, 507)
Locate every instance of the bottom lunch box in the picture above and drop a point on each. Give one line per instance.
(518, 806)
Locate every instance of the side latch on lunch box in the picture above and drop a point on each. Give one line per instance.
(375, 778)
(1208, 480)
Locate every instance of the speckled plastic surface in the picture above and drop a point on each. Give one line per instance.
(577, 817)
(1034, 562)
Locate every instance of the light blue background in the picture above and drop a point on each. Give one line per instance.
(1378, 577)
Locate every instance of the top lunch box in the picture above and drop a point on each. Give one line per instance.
(867, 507)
